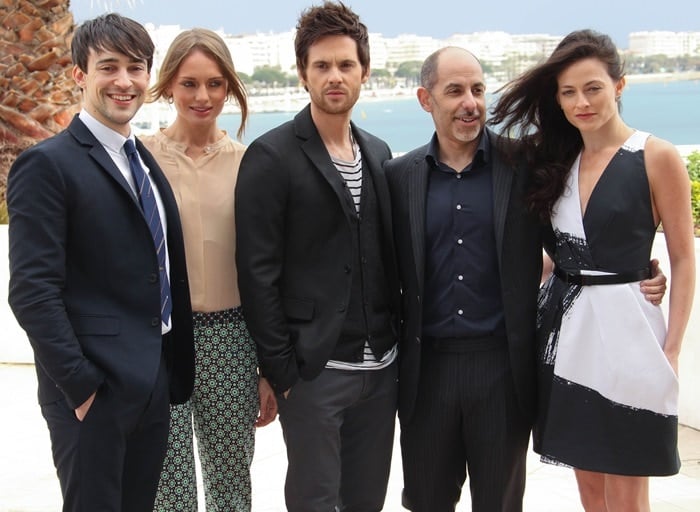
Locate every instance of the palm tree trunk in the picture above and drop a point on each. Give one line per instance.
(37, 94)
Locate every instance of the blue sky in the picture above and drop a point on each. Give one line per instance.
(436, 18)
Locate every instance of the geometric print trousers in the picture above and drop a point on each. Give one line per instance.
(221, 414)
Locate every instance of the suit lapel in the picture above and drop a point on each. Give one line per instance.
(417, 191)
(502, 184)
(85, 137)
(314, 149)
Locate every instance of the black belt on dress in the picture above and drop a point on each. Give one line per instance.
(585, 279)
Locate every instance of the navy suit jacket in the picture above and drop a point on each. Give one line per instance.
(294, 249)
(84, 273)
(519, 246)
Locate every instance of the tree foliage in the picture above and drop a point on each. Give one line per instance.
(410, 71)
(271, 75)
(694, 174)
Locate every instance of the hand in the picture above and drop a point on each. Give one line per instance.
(268, 403)
(654, 288)
(83, 409)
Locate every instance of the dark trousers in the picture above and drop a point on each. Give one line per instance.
(339, 432)
(111, 461)
(466, 419)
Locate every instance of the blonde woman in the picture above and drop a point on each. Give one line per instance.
(201, 163)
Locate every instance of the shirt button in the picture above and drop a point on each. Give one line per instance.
(460, 241)
(459, 176)
(460, 277)
(460, 312)
(459, 206)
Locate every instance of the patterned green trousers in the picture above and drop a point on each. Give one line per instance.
(222, 409)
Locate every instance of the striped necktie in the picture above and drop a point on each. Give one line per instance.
(150, 212)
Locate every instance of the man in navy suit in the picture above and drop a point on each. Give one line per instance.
(317, 275)
(86, 284)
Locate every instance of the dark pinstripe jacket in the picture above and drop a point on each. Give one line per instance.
(518, 242)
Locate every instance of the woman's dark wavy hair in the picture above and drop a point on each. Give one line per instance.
(528, 109)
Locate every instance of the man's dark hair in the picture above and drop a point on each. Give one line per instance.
(111, 32)
(329, 19)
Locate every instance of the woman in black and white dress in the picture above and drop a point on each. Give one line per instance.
(608, 363)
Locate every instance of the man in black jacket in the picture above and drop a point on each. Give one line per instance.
(317, 275)
(470, 260)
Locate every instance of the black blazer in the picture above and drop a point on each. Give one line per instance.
(294, 245)
(84, 273)
(520, 262)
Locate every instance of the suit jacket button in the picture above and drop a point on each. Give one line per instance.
(152, 278)
(347, 269)
(155, 321)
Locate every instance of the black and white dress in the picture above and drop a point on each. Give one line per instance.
(608, 395)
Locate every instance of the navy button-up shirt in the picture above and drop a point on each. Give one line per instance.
(462, 282)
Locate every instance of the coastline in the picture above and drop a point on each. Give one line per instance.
(292, 99)
(663, 77)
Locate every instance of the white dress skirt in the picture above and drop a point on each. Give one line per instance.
(608, 395)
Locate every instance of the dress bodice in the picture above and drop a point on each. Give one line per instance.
(617, 230)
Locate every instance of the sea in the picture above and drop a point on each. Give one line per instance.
(670, 110)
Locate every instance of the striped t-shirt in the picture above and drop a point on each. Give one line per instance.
(351, 172)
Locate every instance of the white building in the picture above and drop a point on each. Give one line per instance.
(258, 50)
(514, 52)
(405, 48)
(671, 44)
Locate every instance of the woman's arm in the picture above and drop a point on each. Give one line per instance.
(670, 191)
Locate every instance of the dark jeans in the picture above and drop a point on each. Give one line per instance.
(339, 432)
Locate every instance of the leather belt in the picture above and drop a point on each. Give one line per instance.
(587, 280)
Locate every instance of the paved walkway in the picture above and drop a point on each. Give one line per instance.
(28, 482)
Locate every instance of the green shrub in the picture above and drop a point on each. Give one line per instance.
(694, 174)
(694, 166)
(695, 203)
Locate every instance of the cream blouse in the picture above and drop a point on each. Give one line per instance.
(204, 190)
